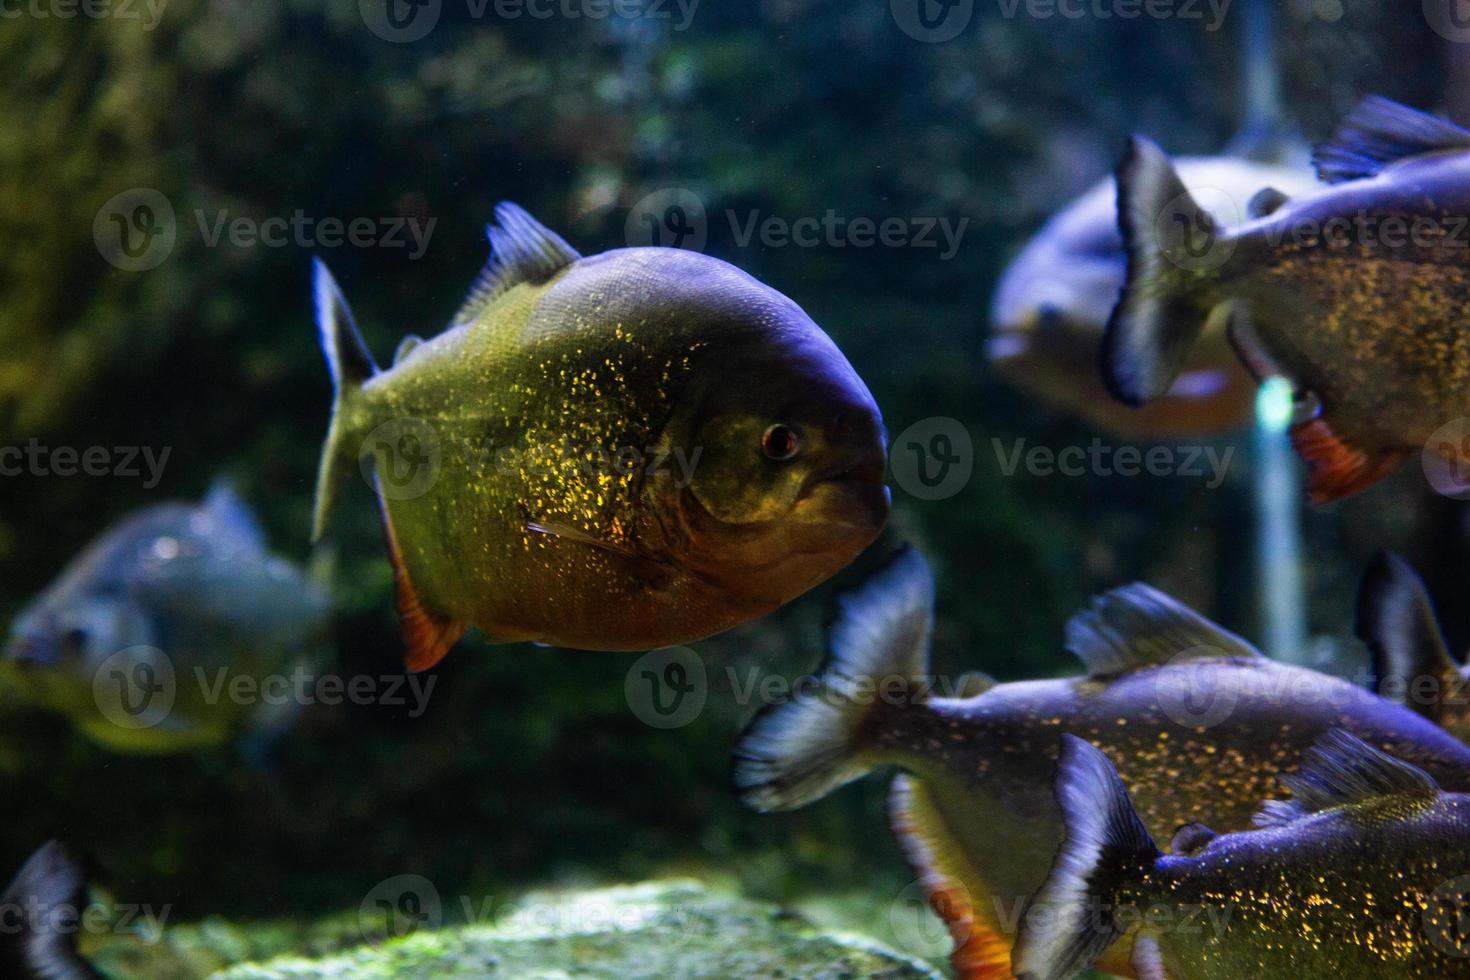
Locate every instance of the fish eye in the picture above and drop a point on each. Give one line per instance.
(780, 442)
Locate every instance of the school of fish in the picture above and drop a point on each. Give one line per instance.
(648, 446)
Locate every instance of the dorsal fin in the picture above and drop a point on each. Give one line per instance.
(1191, 838)
(1397, 621)
(407, 346)
(973, 683)
(1266, 202)
(1138, 626)
(1379, 132)
(223, 503)
(522, 249)
(1340, 770)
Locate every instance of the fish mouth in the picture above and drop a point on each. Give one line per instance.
(851, 495)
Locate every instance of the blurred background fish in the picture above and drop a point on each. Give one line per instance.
(133, 640)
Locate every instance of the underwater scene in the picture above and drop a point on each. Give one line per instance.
(691, 489)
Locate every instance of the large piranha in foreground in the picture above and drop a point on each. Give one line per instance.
(1197, 720)
(1359, 294)
(618, 452)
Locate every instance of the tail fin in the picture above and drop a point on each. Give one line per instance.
(1105, 844)
(1396, 619)
(1170, 240)
(351, 364)
(49, 892)
(795, 753)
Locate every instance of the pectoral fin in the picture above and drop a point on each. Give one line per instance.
(1335, 468)
(654, 573)
(428, 635)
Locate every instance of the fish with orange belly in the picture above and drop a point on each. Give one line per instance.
(1363, 874)
(1198, 721)
(1358, 294)
(614, 452)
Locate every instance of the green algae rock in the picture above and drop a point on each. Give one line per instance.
(675, 929)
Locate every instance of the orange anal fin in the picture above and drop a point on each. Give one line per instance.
(1334, 468)
(981, 950)
(427, 635)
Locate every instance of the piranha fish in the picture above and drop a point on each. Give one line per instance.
(1358, 294)
(1199, 722)
(1364, 873)
(1054, 301)
(1412, 663)
(130, 642)
(619, 452)
(35, 942)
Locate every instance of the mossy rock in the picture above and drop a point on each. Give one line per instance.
(677, 929)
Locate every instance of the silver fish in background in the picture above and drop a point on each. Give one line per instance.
(1054, 301)
(1363, 874)
(133, 639)
(1412, 663)
(35, 942)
